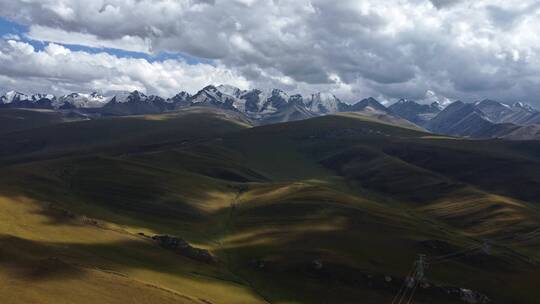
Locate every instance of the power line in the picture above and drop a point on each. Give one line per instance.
(403, 285)
(415, 275)
(413, 292)
(417, 272)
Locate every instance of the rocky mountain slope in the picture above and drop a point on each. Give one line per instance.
(415, 112)
(483, 119)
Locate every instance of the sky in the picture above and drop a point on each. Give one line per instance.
(424, 50)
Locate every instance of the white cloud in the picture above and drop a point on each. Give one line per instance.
(394, 48)
(27, 69)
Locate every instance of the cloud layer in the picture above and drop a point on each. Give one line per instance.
(419, 49)
(57, 69)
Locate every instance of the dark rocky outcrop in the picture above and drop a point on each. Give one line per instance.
(182, 247)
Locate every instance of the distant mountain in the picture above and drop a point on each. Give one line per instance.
(483, 119)
(274, 102)
(325, 103)
(460, 119)
(495, 111)
(179, 100)
(524, 114)
(294, 109)
(414, 112)
(530, 132)
(82, 101)
(532, 119)
(259, 105)
(254, 101)
(14, 99)
(136, 103)
(369, 105)
(214, 97)
(518, 113)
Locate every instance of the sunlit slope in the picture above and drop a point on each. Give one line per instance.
(60, 258)
(316, 211)
(405, 165)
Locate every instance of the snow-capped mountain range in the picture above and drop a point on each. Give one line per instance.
(480, 119)
(274, 105)
(13, 99)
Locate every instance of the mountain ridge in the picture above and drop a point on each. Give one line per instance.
(266, 106)
(482, 119)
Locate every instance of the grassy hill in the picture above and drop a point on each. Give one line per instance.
(24, 119)
(332, 209)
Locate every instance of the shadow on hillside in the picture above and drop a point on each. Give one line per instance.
(38, 260)
(32, 261)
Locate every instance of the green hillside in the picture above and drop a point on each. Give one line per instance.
(333, 209)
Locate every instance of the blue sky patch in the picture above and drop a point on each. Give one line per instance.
(8, 27)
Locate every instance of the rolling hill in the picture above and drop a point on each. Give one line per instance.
(331, 209)
(20, 119)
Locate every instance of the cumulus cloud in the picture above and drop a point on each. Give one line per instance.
(391, 49)
(27, 69)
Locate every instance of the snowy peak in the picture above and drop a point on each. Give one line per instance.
(524, 107)
(140, 97)
(208, 93)
(13, 99)
(135, 103)
(13, 96)
(181, 98)
(136, 96)
(82, 100)
(119, 96)
(324, 103)
(37, 97)
(296, 99)
(405, 101)
(276, 101)
(225, 96)
(279, 94)
(229, 90)
(254, 100)
(212, 96)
